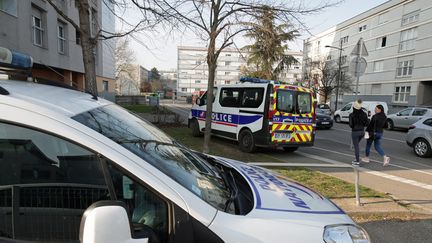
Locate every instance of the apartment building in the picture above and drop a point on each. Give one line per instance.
(132, 79)
(398, 36)
(35, 28)
(193, 70)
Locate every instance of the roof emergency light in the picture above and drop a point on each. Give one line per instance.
(10, 60)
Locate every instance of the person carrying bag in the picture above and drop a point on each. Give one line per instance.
(375, 131)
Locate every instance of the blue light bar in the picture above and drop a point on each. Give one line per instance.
(257, 80)
(15, 60)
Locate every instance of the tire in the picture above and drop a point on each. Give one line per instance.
(290, 149)
(246, 141)
(195, 128)
(337, 119)
(422, 148)
(390, 124)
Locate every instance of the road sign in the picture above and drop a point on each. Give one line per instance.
(362, 64)
(356, 50)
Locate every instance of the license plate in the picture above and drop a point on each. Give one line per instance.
(325, 123)
(282, 136)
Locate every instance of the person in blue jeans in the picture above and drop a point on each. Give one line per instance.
(358, 120)
(376, 130)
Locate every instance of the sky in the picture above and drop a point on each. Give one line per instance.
(160, 49)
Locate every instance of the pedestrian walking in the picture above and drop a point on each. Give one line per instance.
(376, 130)
(358, 120)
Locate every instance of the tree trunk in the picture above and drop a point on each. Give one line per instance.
(212, 65)
(88, 46)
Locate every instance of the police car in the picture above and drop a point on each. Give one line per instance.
(257, 112)
(74, 167)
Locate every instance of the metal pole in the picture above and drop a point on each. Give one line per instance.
(339, 75)
(357, 71)
(357, 191)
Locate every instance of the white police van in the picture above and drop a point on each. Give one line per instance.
(258, 112)
(76, 168)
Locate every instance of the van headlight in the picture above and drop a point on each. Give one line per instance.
(345, 233)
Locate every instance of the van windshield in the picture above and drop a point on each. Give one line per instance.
(155, 147)
(294, 102)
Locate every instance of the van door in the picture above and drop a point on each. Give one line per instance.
(251, 112)
(345, 112)
(225, 112)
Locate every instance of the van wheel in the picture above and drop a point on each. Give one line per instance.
(422, 148)
(195, 128)
(290, 149)
(246, 141)
(390, 124)
(337, 119)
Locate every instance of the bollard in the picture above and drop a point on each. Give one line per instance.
(357, 191)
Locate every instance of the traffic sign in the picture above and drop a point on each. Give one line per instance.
(362, 64)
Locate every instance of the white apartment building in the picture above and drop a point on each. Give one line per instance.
(193, 70)
(398, 38)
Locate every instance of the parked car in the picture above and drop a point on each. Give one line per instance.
(324, 108)
(74, 166)
(420, 137)
(342, 115)
(406, 117)
(323, 121)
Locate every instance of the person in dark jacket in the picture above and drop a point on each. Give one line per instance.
(376, 130)
(358, 120)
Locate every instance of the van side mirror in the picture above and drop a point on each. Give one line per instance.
(107, 221)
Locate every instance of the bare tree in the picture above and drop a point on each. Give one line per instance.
(325, 73)
(125, 70)
(217, 22)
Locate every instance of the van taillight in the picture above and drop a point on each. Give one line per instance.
(411, 127)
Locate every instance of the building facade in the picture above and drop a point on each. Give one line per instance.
(398, 36)
(192, 68)
(34, 27)
(132, 79)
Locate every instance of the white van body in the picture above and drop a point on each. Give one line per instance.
(342, 115)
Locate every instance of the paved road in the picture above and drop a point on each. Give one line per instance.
(407, 178)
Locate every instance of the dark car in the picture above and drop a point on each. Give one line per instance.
(323, 121)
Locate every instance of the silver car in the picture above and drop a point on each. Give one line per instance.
(420, 137)
(405, 118)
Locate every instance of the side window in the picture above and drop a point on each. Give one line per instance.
(347, 107)
(46, 184)
(419, 112)
(149, 212)
(230, 97)
(428, 122)
(252, 98)
(405, 112)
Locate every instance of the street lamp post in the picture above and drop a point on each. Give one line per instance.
(339, 70)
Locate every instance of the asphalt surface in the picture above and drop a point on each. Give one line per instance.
(408, 178)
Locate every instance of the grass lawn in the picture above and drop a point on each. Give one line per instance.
(328, 186)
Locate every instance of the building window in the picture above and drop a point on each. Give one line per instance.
(198, 62)
(9, 6)
(345, 39)
(227, 73)
(343, 60)
(401, 94)
(407, 40)
(197, 90)
(77, 37)
(183, 89)
(362, 28)
(105, 85)
(329, 57)
(228, 55)
(197, 81)
(405, 68)
(378, 66)
(38, 31)
(381, 42)
(227, 63)
(410, 18)
(61, 38)
(382, 18)
(94, 22)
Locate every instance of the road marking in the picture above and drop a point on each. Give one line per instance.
(375, 161)
(376, 173)
(390, 139)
